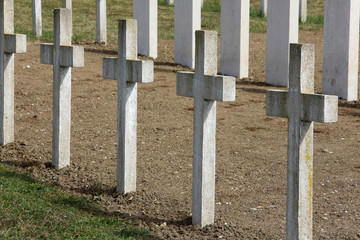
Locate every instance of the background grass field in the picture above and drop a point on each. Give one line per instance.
(84, 18)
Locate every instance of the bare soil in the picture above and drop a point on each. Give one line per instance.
(251, 150)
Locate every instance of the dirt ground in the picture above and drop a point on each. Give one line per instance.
(251, 150)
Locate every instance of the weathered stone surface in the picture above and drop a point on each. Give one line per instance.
(101, 21)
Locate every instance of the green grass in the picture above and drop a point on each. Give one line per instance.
(33, 210)
(84, 18)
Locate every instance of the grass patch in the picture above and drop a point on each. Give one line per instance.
(34, 210)
(84, 18)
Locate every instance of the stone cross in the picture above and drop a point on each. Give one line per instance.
(341, 48)
(187, 21)
(101, 28)
(302, 107)
(234, 43)
(36, 18)
(67, 4)
(10, 44)
(128, 71)
(146, 13)
(282, 29)
(206, 88)
(63, 57)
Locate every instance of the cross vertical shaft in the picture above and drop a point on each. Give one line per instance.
(127, 109)
(203, 204)
(61, 90)
(101, 31)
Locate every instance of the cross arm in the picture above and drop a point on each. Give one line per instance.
(320, 108)
(15, 43)
(276, 103)
(110, 70)
(184, 84)
(219, 88)
(140, 71)
(70, 56)
(137, 70)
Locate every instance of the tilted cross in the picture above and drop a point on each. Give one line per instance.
(128, 71)
(10, 44)
(302, 108)
(206, 88)
(63, 57)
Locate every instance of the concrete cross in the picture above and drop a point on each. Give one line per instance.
(206, 88)
(101, 28)
(128, 71)
(10, 44)
(63, 57)
(302, 107)
(36, 18)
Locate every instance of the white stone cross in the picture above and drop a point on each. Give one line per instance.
(63, 57)
(206, 88)
(146, 14)
(341, 48)
(10, 44)
(234, 47)
(101, 27)
(302, 107)
(302, 9)
(36, 18)
(128, 71)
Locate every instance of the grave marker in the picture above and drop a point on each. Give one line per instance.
(101, 28)
(282, 29)
(234, 49)
(10, 44)
(302, 9)
(206, 88)
(36, 18)
(341, 48)
(146, 13)
(128, 71)
(63, 57)
(187, 21)
(302, 107)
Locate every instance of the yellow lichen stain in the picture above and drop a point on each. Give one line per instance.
(309, 160)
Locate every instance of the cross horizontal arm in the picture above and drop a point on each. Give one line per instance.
(140, 71)
(276, 103)
(219, 88)
(70, 56)
(110, 70)
(15, 43)
(184, 84)
(137, 70)
(320, 108)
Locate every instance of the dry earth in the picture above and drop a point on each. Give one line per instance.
(251, 150)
